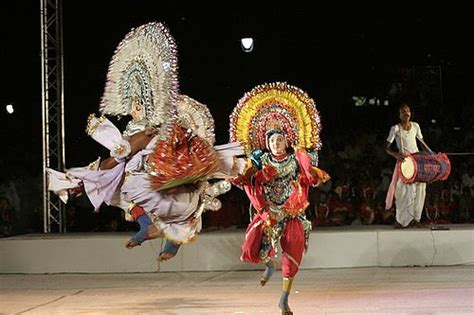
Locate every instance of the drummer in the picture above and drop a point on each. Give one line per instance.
(409, 198)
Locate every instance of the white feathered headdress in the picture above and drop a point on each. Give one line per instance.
(144, 67)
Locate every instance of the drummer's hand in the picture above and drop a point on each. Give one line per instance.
(400, 157)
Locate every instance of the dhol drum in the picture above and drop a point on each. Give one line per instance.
(424, 168)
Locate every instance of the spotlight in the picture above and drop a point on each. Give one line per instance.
(10, 108)
(247, 44)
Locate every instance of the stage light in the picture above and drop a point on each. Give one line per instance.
(247, 44)
(433, 121)
(10, 108)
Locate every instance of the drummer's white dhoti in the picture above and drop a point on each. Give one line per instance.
(409, 201)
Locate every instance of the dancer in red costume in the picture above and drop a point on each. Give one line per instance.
(280, 172)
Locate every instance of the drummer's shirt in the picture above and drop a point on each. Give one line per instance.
(408, 137)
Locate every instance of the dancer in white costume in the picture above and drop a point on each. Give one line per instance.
(142, 83)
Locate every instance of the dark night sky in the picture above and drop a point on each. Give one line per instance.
(332, 53)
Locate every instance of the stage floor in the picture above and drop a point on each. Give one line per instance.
(375, 290)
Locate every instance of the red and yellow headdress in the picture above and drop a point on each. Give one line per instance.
(276, 106)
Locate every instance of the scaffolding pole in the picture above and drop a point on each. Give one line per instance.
(52, 79)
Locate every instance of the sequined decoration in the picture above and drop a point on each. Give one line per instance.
(314, 155)
(197, 117)
(144, 67)
(273, 233)
(133, 127)
(276, 105)
(280, 188)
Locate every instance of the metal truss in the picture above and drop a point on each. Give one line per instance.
(52, 108)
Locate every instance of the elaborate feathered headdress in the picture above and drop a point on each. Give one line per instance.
(144, 68)
(275, 106)
(197, 117)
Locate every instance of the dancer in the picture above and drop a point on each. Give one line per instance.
(126, 181)
(162, 168)
(278, 124)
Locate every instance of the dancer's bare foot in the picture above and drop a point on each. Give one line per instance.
(152, 233)
(269, 269)
(131, 244)
(169, 251)
(165, 256)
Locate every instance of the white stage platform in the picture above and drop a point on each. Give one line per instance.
(330, 247)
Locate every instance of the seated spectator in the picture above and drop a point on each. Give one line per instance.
(6, 217)
(387, 216)
(340, 209)
(445, 207)
(431, 213)
(321, 211)
(367, 206)
(466, 209)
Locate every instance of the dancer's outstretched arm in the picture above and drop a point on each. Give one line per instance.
(138, 142)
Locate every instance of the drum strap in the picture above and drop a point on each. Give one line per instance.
(402, 147)
(426, 146)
